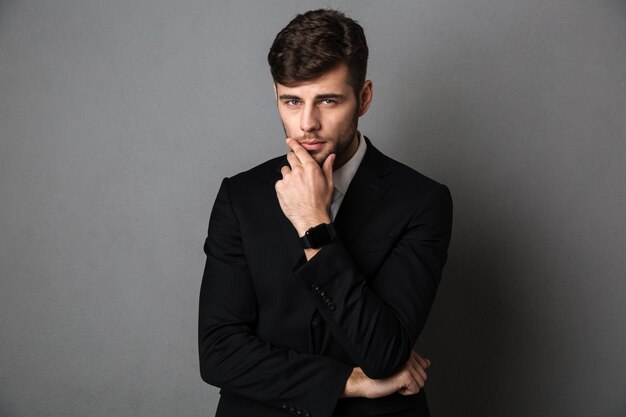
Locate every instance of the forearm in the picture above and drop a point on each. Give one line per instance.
(232, 357)
(243, 364)
(378, 319)
(370, 330)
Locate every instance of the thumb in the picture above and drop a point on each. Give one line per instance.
(327, 168)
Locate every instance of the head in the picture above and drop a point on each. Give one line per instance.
(318, 63)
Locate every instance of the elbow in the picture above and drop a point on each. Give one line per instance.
(206, 371)
(219, 350)
(211, 373)
(209, 363)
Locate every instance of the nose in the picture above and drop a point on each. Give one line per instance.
(309, 119)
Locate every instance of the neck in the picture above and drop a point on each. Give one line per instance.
(347, 153)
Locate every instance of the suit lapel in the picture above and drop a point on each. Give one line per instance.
(364, 193)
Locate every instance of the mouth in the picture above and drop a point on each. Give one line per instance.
(312, 145)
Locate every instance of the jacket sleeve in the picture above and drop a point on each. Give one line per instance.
(378, 322)
(232, 357)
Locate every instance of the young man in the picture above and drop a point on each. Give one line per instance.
(322, 265)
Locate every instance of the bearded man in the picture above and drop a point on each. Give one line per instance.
(322, 265)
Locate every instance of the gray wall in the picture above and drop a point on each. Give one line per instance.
(118, 120)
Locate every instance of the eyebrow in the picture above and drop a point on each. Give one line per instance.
(318, 97)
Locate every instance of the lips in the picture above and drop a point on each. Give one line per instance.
(312, 145)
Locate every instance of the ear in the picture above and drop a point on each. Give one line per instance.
(365, 97)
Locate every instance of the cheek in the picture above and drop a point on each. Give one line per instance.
(343, 123)
(289, 121)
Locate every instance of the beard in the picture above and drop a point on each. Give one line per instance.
(332, 144)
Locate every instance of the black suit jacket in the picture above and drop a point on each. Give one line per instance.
(280, 335)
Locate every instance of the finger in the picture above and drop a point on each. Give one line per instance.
(406, 391)
(328, 168)
(422, 373)
(419, 376)
(425, 363)
(415, 364)
(285, 170)
(293, 160)
(409, 388)
(300, 152)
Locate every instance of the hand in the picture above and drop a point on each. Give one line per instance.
(306, 190)
(408, 381)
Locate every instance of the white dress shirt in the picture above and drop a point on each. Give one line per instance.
(343, 176)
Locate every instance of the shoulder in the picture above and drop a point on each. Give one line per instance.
(419, 198)
(404, 180)
(256, 179)
(265, 170)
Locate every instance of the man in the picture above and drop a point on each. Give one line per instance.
(322, 265)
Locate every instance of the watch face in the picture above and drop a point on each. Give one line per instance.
(320, 235)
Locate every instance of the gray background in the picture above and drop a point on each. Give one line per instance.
(119, 119)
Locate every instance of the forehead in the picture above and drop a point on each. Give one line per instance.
(335, 81)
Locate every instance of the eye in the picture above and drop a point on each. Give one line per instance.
(293, 102)
(328, 101)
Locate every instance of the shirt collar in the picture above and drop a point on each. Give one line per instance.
(343, 176)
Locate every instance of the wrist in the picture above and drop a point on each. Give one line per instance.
(313, 221)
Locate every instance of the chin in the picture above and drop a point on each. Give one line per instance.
(319, 159)
(320, 155)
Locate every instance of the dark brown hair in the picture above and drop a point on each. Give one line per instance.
(316, 42)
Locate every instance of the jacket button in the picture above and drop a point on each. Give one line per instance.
(326, 299)
(299, 412)
(323, 293)
(306, 414)
(315, 286)
(333, 307)
(284, 405)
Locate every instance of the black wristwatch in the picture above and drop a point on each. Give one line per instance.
(318, 236)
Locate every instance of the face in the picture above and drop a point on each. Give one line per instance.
(322, 114)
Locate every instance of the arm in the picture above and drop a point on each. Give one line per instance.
(378, 322)
(231, 356)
